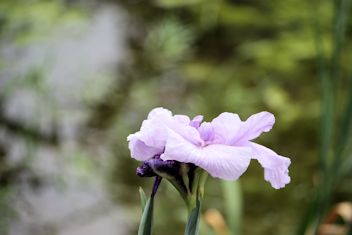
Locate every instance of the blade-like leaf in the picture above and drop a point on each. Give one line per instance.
(145, 226)
(143, 198)
(233, 205)
(192, 226)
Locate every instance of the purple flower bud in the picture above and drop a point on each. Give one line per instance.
(157, 166)
(170, 169)
(145, 170)
(163, 168)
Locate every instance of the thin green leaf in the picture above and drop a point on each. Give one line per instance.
(145, 226)
(143, 198)
(192, 226)
(345, 129)
(233, 205)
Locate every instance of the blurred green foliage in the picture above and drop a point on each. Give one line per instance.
(23, 22)
(6, 212)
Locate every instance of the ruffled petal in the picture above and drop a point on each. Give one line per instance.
(206, 131)
(275, 166)
(196, 121)
(139, 150)
(221, 161)
(159, 112)
(186, 131)
(254, 126)
(153, 132)
(226, 127)
(182, 119)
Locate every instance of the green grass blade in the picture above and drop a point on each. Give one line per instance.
(145, 226)
(345, 132)
(326, 88)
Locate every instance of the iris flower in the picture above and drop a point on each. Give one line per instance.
(223, 147)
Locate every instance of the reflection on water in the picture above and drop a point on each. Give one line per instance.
(69, 72)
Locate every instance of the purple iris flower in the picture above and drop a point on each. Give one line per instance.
(222, 147)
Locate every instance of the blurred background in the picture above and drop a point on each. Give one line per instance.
(78, 76)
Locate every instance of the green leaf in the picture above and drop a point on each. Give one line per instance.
(192, 226)
(175, 3)
(233, 205)
(143, 198)
(145, 226)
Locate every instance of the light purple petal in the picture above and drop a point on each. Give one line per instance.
(206, 131)
(226, 127)
(254, 126)
(196, 121)
(159, 112)
(139, 150)
(186, 131)
(221, 161)
(153, 131)
(275, 166)
(182, 119)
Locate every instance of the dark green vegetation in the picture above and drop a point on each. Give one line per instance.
(292, 58)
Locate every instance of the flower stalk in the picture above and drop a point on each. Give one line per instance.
(194, 201)
(197, 190)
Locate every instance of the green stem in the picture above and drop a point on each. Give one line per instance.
(195, 199)
(180, 190)
(194, 204)
(197, 191)
(191, 204)
(202, 180)
(192, 226)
